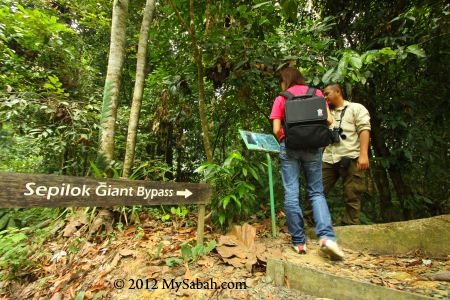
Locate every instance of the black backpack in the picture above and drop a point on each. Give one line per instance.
(305, 121)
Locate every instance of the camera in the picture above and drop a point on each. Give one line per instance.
(336, 135)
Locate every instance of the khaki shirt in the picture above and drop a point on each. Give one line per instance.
(356, 119)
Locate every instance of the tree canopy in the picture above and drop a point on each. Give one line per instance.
(391, 57)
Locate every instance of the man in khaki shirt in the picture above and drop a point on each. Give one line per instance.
(349, 158)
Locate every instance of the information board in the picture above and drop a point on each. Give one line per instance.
(260, 141)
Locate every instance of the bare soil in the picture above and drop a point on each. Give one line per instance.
(126, 265)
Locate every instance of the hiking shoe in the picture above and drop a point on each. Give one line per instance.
(331, 248)
(300, 249)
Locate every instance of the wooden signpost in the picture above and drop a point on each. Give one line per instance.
(33, 190)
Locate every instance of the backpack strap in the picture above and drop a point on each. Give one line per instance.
(311, 91)
(287, 95)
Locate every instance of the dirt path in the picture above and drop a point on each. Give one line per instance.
(133, 264)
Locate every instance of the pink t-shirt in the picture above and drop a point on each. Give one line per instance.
(278, 104)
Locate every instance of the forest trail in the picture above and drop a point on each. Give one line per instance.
(131, 259)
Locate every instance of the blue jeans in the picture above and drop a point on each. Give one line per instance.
(310, 161)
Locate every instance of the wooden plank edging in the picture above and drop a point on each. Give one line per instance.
(322, 284)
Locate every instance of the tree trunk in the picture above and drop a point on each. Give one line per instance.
(179, 161)
(200, 72)
(387, 210)
(201, 84)
(381, 150)
(138, 88)
(168, 153)
(402, 190)
(113, 78)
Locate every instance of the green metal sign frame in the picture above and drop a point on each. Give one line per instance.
(266, 143)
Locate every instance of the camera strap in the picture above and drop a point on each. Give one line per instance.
(342, 116)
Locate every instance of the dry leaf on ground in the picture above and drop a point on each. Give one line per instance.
(75, 222)
(238, 247)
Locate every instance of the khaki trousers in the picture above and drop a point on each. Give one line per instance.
(354, 185)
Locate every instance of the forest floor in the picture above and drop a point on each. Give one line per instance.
(146, 261)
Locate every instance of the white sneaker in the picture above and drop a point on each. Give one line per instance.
(300, 249)
(331, 248)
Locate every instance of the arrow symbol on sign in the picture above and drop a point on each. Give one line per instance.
(186, 193)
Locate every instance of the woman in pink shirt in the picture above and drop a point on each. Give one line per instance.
(310, 162)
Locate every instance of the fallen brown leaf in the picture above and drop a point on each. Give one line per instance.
(245, 233)
(103, 219)
(129, 230)
(126, 252)
(187, 274)
(226, 252)
(56, 296)
(206, 261)
(115, 261)
(239, 248)
(72, 293)
(73, 226)
(235, 262)
(286, 281)
(57, 282)
(227, 240)
(186, 230)
(98, 286)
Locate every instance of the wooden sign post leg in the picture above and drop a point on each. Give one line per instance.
(201, 224)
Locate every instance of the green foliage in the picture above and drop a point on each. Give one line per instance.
(74, 245)
(193, 253)
(358, 68)
(155, 170)
(234, 187)
(22, 248)
(21, 252)
(173, 261)
(104, 168)
(55, 86)
(14, 253)
(157, 253)
(179, 211)
(176, 216)
(98, 295)
(6, 219)
(391, 58)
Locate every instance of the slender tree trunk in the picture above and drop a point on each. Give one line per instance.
(201, 83)
(402, 190)
(168, 154)
(379, 143)
(179, 161)
(387, 210)
(113, 78)
(198, 57)
(138, 87)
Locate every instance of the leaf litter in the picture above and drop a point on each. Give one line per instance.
(92, 265)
